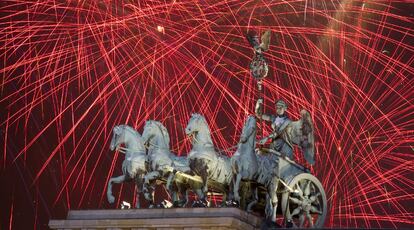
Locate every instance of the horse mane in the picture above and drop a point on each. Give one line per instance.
(163, 130)
(198, 116)
(130, 129)
(201, 117)
(207, 128)
(133, 131)
(246, 123)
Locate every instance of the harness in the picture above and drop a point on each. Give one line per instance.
(125, 150)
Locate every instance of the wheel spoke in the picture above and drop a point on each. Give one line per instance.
(315, 210)
(309, 219)
(302, 185)
(299, 190)
(296, 211)
(314, 197)
(295, 201)
(307, 188)
(306, 204)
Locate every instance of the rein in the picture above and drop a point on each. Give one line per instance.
(156, 146)
(220, 151)
(125, 150)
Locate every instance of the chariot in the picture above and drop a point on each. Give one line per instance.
(256, 179)
(302, 198)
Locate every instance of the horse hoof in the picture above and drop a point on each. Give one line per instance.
(179, 204)
(289, 224)
(200, 204)
(195, 204)
(111, 199)
(232, 203)
(166, 204)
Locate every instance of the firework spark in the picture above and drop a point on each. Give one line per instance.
(72, 70)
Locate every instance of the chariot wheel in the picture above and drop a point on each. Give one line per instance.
(306, 206)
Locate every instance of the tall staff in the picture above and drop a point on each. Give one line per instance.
(259, 67)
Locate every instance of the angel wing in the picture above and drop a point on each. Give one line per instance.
(264, 43)
(307, 139)
(265, 40)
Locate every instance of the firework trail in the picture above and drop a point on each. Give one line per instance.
(72, 70)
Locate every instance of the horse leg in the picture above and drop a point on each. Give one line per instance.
(273, 196)
(255, 200)
(237, 187)
(174, 192)
(200, 194)
(204, 178)
(185, 200)
(148, 192)
(268, 207)
(169, 184)
(138, 183)
(230, 194)
(174, 198)
(117, 180)
(183, 190)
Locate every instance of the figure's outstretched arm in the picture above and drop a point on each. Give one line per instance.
(259, 112)
(266, 117)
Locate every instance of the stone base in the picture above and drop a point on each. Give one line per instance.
(173, 218)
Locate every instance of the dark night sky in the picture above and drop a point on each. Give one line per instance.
(72, 70)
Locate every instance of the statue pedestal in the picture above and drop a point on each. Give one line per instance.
(173, 218)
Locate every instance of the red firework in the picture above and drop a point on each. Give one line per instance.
(72, 70)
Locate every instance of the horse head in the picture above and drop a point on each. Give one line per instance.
(249, 128)
(117, 137)
(196, 124)
(124, 134)
(155, 134)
